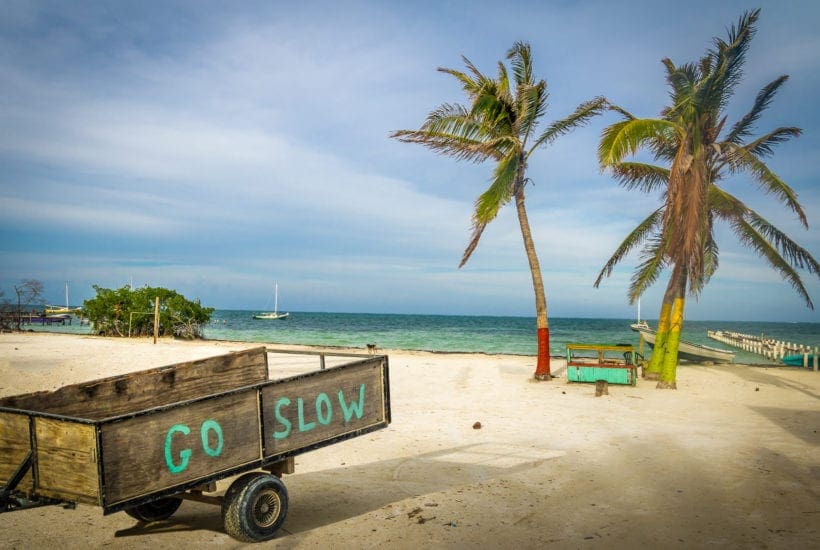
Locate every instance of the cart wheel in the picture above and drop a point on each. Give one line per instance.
(255, 507)
(157, 510)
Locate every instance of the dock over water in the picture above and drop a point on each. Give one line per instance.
(769, 348)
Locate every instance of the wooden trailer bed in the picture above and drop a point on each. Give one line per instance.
(139, 441)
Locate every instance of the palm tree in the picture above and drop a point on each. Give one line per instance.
(499, 124)
(690, 138)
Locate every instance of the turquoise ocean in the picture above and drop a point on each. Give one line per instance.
(462, 333)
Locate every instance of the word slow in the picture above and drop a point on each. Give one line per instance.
(322, 404)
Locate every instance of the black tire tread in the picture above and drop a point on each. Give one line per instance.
(235, 500)
(157, 510)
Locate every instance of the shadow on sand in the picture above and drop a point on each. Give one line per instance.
(325, 497)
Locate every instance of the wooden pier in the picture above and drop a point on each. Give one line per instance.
(769, 348)
(32, 318)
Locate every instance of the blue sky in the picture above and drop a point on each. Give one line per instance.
(219, 147)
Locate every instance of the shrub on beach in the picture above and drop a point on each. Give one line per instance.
(130, 312)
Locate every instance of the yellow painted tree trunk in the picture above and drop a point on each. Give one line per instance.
(670, 361)
(669, 367)
(652, 370)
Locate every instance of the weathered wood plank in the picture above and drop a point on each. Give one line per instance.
(67, 460)
(164, 449)
(15, 442)
(306, 411)
(133, 392)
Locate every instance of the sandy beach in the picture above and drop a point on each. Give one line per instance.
(729, 460)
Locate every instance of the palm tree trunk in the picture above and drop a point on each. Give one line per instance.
(542, 369)
(653, 370)
(670, 361)
(661, 348)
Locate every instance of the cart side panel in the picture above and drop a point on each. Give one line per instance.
(15, 443)
(163, 449)
(136, 391)
(332, 404)
(67, 460)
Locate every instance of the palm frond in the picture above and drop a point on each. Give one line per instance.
(478, 230)
(762, 146)
(470, 86)
(637, 175)
(770, 183)
(479, 77)
(520, 56)
(751, 238)
(582, 114)
(725, 205)
(530, 107)
(682, 83)
(618, 109)
(795, 254)
(655, 258)
(627, 136)
(635, 238)
(504, 81)
(743, 127)
(729, 57)
(494, 112)
(710, 261)
(500, 190)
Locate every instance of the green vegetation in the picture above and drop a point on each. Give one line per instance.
(130, 312)
(700, 150)
(500, 124)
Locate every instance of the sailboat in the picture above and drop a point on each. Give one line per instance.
(640, 324)
(275, 313)
(62, 311)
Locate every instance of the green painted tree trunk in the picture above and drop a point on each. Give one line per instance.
(652, 370)
(661, 349)
(669, 368)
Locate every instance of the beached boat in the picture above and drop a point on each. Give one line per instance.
(273, 315)
(689, 351)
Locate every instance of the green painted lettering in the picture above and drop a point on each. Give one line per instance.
(184, 455)
(325, 417)
(211, 425)
(356, 408)
(282, 402)
(303, 427)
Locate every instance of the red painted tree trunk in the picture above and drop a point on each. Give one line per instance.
(542, 368)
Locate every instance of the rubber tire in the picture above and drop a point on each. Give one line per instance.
(255, 507)
(157, 510)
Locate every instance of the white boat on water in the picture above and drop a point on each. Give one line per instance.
(688, 351)
(273, 315)
(639, 324)
(60, 312)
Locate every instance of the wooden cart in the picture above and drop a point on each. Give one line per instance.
(613, 363)
(143, 441)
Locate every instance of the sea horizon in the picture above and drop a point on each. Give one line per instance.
(451, 333)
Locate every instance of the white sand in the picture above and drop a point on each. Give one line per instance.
(729, 460)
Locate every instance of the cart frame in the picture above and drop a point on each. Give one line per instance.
(103, 443)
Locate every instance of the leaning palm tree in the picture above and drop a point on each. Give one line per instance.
(690, 138)
(500, 124)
